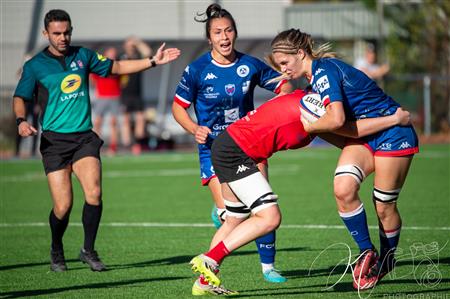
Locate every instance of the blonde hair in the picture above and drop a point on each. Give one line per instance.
(290, 42)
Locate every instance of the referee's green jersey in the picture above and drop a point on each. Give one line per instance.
(61, 84)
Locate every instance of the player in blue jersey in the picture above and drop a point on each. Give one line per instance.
(59, 77)
(220, 85)
(350, 95)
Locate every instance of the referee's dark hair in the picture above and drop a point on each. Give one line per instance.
(215, 11)
(56, 15)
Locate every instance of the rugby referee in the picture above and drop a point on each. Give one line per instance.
(59, 76)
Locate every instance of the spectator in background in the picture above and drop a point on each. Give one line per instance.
(107, 95)
(133, 104)
(368, 64)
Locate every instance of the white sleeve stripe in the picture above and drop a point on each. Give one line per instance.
(182, 99)
(276, 87)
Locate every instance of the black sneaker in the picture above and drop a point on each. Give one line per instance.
(91, 258)
(57, 261)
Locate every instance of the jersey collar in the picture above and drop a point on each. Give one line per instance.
(223, 65)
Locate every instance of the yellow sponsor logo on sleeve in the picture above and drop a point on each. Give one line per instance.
(101, 57)
(71, 83)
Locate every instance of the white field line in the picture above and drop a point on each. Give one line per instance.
(36, 176)
(193, 225)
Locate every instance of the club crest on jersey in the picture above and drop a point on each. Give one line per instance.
(80, 64)
(230, 89)
(243, 71)
(71, 83)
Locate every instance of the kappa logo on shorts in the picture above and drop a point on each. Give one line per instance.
(405, 144)
(242, 168)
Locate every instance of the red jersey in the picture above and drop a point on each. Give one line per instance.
(108, 87)
(274, 126)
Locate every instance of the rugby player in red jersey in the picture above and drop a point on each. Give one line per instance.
(274, 126)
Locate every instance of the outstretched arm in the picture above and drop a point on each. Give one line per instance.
(162, 56)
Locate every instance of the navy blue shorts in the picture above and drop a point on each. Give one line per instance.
(396, 141)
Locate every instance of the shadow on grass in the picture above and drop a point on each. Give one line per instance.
(17, 294)
(346, 288)
(10, 267)
(184, 259)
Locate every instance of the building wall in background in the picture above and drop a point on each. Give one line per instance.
(100, 21)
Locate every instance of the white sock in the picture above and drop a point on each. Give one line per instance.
(266, 267)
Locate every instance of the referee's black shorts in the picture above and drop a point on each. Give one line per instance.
(61, 149)
(230, 162)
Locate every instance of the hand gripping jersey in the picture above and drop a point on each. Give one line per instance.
(272, 127)
(62, 87)
(222, 94)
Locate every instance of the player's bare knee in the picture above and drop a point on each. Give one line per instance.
(270, 217)
(93, 195)
(345, 193)
(347, 179)
(232, 222)
(62, 209)
(386, 210)
(274, 222)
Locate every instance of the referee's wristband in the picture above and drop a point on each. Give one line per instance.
(152, 61)
(20, 120)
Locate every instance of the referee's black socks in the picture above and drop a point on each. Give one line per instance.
(91, 221)
(58, 227)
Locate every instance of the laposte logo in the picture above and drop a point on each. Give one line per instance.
(70, 83)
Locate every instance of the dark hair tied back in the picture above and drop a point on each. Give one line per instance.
(214, 11)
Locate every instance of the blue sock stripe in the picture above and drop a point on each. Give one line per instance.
(353, 213)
